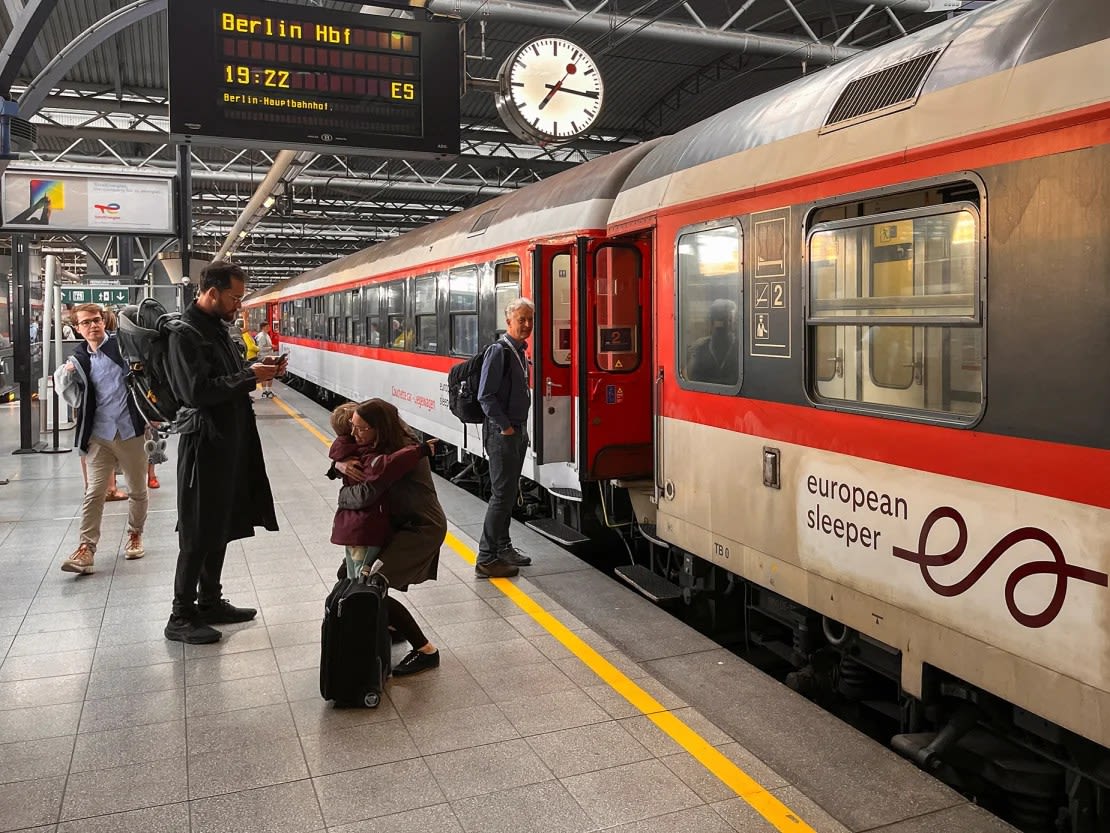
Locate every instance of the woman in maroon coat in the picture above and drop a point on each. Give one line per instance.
(417, 524)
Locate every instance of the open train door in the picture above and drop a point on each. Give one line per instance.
(552, 343)
(612, 360)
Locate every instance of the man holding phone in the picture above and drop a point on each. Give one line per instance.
(223, 491)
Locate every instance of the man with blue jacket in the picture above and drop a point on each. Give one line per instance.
(505, 397)
(109, 432)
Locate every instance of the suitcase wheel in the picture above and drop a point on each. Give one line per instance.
(371, 699)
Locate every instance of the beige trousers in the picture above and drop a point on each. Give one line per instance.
(101, 461)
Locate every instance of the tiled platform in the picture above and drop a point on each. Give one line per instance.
(105, 726)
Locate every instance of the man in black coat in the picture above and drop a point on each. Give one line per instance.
(222, 489)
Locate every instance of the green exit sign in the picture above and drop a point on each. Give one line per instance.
(114, 297)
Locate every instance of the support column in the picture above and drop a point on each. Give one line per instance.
(21, 341)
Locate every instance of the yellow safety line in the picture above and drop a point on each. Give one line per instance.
(746, 787)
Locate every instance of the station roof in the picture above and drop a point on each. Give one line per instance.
(666, 63)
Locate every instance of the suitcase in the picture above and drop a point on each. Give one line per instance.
(354, 642)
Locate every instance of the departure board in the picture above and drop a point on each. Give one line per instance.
(276, 75)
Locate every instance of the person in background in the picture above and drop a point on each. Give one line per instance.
(505, 398)
(109, 430)
(265, 350)
(36, 329)
(715, 358)
(223, 492)
(249, 345)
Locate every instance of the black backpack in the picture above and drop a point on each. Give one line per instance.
(462, 388)
(143, 337)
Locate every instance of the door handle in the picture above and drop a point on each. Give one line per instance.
(657, 395)
(917, 364)
(548, 385)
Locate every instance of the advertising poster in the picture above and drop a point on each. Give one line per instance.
(92, 202)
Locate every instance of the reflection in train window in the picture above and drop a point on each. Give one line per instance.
(506, 288)
(398, 336)
(709, 295)
(370, 312)
(352, 314)
(617, 276)
(560, 309)
(894, 312)
(462, 310)
(424, 307)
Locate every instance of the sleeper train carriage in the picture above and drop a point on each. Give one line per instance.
(853, 332)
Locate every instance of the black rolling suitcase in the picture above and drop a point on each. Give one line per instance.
(354, 642)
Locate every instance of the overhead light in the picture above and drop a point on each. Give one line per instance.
(269, 201)
(243, 233)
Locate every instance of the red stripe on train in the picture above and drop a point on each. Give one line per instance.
(1066, 472)
(424, 361)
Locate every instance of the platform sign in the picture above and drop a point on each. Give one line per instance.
(105, 296)
(305, 78)
(93, 202)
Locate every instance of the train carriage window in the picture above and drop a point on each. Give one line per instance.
(319, 317)
(894, 312)
(352, 314)
(370, 311)
(617, 271)
(506, 288)
(399, 336)
(335, 316)
(560, 309)
(424, 310)
(462, 310)
(710, 280)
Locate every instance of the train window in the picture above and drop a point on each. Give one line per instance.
(319, 317)
(617, 271)
(894, 313)
(462, 310)
(370, 310)
(335, 316)
(560, 309)
(710, 281)
(352, 313)
(399, 336)
(506, 288)
(424, 311)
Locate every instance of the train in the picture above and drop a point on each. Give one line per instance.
(841, 351)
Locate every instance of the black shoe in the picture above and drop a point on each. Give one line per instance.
(495, 569)
(225, 613)
(415, 662)
(188, 629)
(513, 556)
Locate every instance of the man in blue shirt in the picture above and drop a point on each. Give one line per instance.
(109, 432)
(505, 397)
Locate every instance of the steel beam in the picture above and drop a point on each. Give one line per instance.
(21, 39)
(553, 18)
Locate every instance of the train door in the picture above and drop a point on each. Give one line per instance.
(612, 359)
(552, 344)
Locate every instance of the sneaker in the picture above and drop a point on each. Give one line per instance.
(224, 613)
(134, 548)
(80, 562)
(152, 482)
(495, 569)
(188, 629)
(415, 662)
(513, 556)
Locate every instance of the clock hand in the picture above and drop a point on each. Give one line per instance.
(554, 88)
(584, 93)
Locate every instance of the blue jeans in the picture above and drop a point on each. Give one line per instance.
(506, 461)
(356, 557)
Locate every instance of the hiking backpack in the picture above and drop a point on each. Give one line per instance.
(144, 336)
(462, 388)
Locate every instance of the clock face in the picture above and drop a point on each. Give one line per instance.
(551, 91)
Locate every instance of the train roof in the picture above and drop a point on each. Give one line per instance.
(573, 200)
(994, 39)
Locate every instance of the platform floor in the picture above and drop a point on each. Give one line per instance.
(564, 702)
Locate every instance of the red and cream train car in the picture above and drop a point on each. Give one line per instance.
(856, 330)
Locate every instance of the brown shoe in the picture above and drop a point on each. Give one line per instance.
(495, 569)
(115, 494)
(80, 562)
(134, 548)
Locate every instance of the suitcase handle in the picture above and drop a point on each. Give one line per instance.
(375, 569)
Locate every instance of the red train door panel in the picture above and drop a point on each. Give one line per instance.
(552, 345)
(613, 362)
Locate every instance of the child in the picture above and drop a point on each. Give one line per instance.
(364, 532)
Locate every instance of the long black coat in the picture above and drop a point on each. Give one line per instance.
(222, 489)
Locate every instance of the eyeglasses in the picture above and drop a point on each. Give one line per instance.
(89, 321)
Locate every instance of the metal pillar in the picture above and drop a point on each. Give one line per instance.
(21, 340)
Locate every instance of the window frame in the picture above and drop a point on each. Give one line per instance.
(977, 320)
(741, 317)
(638, 334)
(453, 315)
(417, 283)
